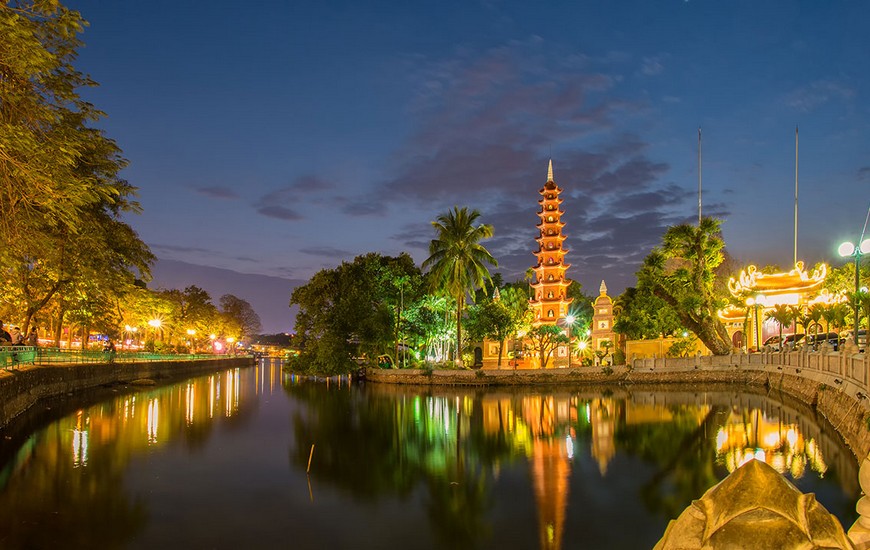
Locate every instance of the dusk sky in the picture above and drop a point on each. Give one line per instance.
(280, 138)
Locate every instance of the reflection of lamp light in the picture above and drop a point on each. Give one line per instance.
(190, 332)
(848, 249)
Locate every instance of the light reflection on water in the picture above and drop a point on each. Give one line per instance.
(220, 461)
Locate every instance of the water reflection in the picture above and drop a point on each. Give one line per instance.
(204, 463)
(455, 443)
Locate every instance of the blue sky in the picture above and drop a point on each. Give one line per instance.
(280, 138)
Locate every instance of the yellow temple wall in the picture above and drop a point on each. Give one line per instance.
(645, 349)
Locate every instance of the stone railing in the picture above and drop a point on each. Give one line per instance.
(846, 370)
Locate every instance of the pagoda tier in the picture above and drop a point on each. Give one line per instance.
(550, 301)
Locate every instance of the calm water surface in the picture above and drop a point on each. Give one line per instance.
(220, 462)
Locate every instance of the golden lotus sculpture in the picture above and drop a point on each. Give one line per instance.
(754, 507)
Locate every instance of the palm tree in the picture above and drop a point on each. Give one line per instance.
(783, 317)
(815, 316)
(682, 272)
(457, 260)
(835, 314)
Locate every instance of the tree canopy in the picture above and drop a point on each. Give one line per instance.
(682, 273)
(63, 243)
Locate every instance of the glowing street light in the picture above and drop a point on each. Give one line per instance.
(846, 250)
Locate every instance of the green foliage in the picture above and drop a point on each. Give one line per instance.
(642, 315)
(499, 319)
(239, 314)
(350, 312)
(682, 272)
(63, 246)
(684, 347)
(782, 315)
(457, 261)
(544, 341)
(619, 357)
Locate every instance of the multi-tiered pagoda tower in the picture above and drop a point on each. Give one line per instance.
(550, 301)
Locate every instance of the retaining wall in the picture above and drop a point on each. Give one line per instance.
(21, 388)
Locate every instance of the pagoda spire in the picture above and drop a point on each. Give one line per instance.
(550, 299)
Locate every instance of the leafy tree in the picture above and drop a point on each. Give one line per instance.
(841, 280)
(240, 311)
(349, 312)
(581, 304)
(834, 314)
(814, 315)
(491, 319)
(783, 316)
(643, 315)
(682, 272)
(544, 341)
(60, 191)
(457, 261)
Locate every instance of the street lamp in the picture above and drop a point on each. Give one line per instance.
(847, 250)
(156, 324)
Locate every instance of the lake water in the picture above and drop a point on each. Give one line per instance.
(220, 461)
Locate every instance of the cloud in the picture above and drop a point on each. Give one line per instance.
(284, 203)
(818, 93)
(652, 66)
(217, 192)
(484, 124)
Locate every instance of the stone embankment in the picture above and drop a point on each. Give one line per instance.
(22, 388)
(835, 385)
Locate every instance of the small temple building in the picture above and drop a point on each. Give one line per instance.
(602, 321)
(761, 292)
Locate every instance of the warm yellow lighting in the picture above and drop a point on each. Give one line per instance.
(771, 439)
(212, 336)
(190, 332)
(155, 323)
(230, 340)
(582, 344)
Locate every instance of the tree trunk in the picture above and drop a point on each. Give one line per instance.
(458, 359)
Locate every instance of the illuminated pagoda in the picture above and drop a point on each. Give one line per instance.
(550, 301)
(761, 292)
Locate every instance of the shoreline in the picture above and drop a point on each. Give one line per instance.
(22, 388)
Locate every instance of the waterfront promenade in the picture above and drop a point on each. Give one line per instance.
(21, 387)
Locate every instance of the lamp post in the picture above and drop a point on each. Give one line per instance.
(570, 321)
(847, 250)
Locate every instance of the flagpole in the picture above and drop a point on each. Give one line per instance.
(699, 176)
(795, 192)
